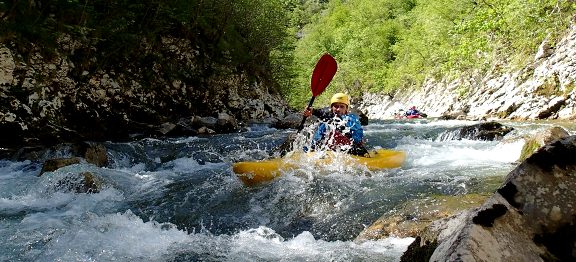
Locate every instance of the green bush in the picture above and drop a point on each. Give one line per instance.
(386, 45)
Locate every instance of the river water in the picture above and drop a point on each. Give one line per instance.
(178, 199)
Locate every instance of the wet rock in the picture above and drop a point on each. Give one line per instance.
(206, 131)
(426, 243)
(83, 183)
(533, 143)
(97, 155)
(530, 218)
(413, 217)
(166, 128)
(226, 123)
(54, 164)
(184, 127)
(209, 122)
(292, 120)
(93, 152)
(484, 131)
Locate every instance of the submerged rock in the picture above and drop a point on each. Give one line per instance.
(54, 164)
(488, 131)
(414, 216)
(79, 183)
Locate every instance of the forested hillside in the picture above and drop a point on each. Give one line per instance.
(381, 45)
(386, 45)
(92, 70)
(237, 35)
(97, 69)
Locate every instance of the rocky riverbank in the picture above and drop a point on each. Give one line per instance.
(542, 89)
(64, 95)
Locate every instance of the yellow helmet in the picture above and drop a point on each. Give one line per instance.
(340, 98)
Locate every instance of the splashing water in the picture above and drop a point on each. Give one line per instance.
(178, 200)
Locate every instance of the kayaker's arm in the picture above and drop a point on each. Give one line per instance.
(324, 114)
(356, 134)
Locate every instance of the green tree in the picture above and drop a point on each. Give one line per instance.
(386, 45)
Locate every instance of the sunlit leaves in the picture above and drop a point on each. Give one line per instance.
(360, 34)
(385, 45)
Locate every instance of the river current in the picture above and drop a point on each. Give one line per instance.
(178, 199)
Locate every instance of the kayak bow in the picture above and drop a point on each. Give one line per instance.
(256, 172)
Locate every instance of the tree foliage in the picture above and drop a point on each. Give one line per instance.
(380, 45)
(386, 45)
(238, 34)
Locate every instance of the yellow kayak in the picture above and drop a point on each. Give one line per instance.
(253, 173)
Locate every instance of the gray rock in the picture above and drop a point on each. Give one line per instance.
(488, 131)
(540, 139)
(226, 123)
(530, 218)
(292, 120)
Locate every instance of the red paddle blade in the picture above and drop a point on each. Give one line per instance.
(323, 74)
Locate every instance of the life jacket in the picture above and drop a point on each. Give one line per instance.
(336, 134)
(336, 140)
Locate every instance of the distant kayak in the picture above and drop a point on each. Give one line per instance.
(256, 172)
(398, 116)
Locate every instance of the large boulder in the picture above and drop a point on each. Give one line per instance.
(531, 217)
(292, 120)
(80, 183)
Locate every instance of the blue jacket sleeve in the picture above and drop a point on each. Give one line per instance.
(356, 129)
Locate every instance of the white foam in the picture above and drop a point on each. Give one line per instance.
(464, 153)
(264, 244)
(113, 236)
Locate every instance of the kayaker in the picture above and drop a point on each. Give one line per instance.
(412, 111)
(339, 129)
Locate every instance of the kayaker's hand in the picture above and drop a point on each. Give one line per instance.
(307, 112)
